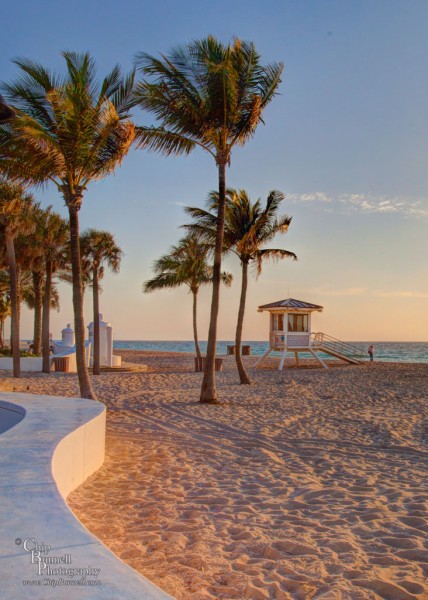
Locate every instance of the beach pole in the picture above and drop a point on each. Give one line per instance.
(281, 364)
(259, 360)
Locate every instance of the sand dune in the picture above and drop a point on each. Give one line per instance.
(307, 484)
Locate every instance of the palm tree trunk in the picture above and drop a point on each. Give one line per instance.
(85, 385)
(18, 290)
(2, 332)
(208, 389)
(38, 302)
(14, 327)
(46, 319)
(195, 325)
(96, 304)
(243, 375)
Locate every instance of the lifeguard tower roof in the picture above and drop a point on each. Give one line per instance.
(291, 303)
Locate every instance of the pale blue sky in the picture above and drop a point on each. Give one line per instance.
(347, 141)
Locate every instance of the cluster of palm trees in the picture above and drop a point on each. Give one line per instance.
(68, 130)
(34, 251)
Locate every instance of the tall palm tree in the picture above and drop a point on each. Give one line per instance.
(28, 252)
(248, 227)
(5, 308)
(99, 248)
(185, 264)
(68, 130)
(212, 96)
(54, 231)
(15, 206)
(31, 299)
(34, 294)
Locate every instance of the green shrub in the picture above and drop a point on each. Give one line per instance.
(23, 353)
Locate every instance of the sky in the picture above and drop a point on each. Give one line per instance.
(346, 141)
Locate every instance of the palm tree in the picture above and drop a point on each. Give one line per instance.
(98, 248)
(248, 227)
(5, 308)
(212, 96)
(15, 206)
(34, 294)
(68, 130)
(34, 301)
(54, 231)
(186, 264)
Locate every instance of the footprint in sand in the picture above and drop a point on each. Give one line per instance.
(294, 548)
(415, 522)
(384, 589)
(404, 543)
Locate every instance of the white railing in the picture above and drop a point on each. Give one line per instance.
(322, 339)
(298, 340)
(291, 340)
(277, 340)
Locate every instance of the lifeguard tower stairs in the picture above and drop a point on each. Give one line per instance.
(321, 342)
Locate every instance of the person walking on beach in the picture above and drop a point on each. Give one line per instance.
(371, 352)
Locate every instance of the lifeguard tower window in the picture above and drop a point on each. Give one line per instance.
(298, 323)
(278, 322)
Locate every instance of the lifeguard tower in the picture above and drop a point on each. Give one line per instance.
(290, 331)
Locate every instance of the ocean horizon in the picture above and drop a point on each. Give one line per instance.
(407, 352)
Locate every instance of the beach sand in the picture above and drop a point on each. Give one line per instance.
(310, 483)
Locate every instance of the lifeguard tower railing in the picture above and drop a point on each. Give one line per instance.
(292, 340)
(323, 342)
(316, 342)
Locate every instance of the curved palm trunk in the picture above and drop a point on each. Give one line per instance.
(195, 325)
(46, 319)
(96, 304)
(38, 303)
(14, 327)
(208, 389)
(243, 375)
(85, 385)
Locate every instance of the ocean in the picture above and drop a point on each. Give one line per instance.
(408, 352)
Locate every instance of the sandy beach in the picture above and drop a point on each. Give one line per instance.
(310, 483)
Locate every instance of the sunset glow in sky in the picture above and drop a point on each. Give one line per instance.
(346, 141)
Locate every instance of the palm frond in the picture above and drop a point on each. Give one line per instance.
(160, 140)
(274, 254)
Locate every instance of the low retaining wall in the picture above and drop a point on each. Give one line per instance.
(45, 552)
(28, 363)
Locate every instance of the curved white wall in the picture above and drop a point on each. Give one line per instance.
(45, 552)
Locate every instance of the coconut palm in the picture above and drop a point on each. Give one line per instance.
(28, 253)
(15, 206)
(98, 248)
(68, 130)
(54, 231)
(212, 96)
(185, 264)
(33, 295)
(248, 227)
(32, 299)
